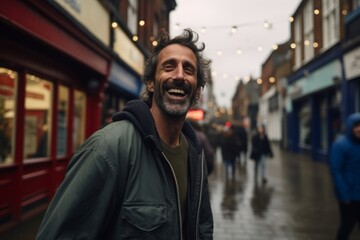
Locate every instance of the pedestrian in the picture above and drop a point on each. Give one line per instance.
(260, 152)
(229, 149)
(141, 176)
(242, 142)
(205, 145)
(345, 171)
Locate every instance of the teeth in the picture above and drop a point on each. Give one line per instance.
(177, 91)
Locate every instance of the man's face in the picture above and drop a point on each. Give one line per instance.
(175, 87)
(356, 130)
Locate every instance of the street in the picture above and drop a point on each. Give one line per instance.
(296, 203)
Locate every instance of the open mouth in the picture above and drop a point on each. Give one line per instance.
(176, 92)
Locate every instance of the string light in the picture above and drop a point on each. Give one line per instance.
(238, 52)
(233, 29)
(141, 23)
(114, 24)
(203, 30)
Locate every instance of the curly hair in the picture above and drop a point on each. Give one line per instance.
(189, 38)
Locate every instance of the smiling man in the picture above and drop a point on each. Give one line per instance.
(142, 176)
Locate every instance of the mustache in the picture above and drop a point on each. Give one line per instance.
(183, 85)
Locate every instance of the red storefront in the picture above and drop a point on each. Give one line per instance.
(52, 78)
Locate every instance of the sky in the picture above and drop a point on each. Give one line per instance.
(242, 52)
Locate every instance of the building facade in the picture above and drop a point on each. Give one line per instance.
(316, 103)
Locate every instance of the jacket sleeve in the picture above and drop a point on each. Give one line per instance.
(337, 162)
(82, 205)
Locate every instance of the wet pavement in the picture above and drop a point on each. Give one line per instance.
(297, 202)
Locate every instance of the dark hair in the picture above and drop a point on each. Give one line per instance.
(188, 39)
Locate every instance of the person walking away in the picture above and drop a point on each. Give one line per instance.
(243, 143)
(142, 176)
(229, 149)
(260, 151)
(205, 145)
(345, 172)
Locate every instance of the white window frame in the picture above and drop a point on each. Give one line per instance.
(297, 38)
(308, 31)
(331, 23)
(132, 16)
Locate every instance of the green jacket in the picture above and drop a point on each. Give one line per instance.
(119, 185)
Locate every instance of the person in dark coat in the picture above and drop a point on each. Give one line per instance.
(229, 149)
(345, 171)
(260, 152)
(243, 143)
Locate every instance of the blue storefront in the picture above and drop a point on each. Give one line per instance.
(124, 85)
(314, 105)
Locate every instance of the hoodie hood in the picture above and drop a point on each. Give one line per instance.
(351, 121)
(138, 112)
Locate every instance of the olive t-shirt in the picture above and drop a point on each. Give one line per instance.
(178, 158)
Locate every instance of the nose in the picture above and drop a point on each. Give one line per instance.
(179, 72)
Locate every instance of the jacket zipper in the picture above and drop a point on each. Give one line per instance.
(200, 194)
(177, 195)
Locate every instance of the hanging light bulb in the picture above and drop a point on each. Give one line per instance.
(267, 25)
(203, 30)
(233, 29)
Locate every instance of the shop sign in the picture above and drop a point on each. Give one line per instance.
(128, 52)
(84, 12)
(352, 64)
(122, 78)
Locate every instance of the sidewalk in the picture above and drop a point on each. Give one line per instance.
(296, 203)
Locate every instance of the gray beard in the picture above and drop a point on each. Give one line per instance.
(173, 108)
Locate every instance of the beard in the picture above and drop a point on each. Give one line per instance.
(174, 107)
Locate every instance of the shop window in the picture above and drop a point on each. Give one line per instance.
(304, 127)
(8, 89)
(323, 125)
(62, 120)
(38, 122)
(79, 119)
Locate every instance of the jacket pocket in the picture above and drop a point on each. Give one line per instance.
(143, 221)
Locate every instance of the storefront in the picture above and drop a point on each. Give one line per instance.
(52, 76)
(314, 111)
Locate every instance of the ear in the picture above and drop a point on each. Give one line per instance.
(150, 86)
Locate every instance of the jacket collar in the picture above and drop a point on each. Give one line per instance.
(138, 112)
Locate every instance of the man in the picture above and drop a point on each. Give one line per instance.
(345, 169)
(141, 177)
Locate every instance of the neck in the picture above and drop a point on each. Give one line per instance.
(168, 128)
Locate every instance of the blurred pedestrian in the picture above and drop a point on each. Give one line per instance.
(345, 171)
(229, 149)
(243, 143)
(260, 152)
(142, 177)
(204, 144)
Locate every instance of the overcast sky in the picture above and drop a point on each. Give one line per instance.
(249, 16)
